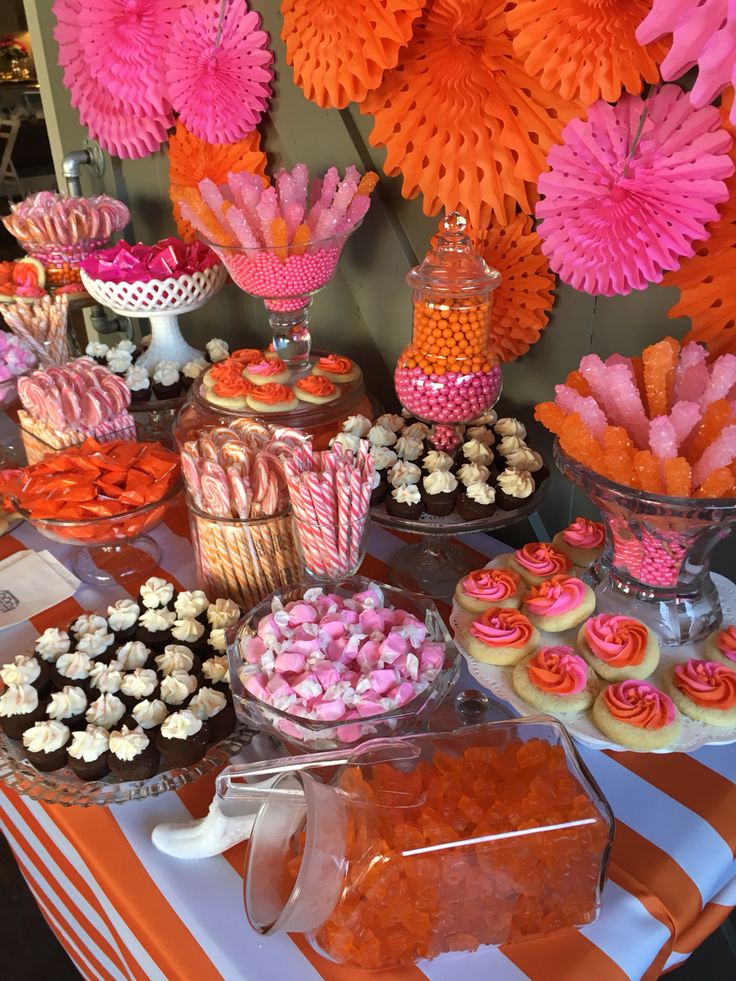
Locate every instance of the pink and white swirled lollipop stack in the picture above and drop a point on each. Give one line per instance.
(333, 659)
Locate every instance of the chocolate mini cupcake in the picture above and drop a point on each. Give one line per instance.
(437, 460)
(192, 605)
(176, 657)
(476, 501)
(405, 502)
(190, 372)
(484, 435)
(105, 679)
(191, 633)
(383, 459)
(508, 426)
(379, 490)
(132, 755)
(20, 708)
(403, 473)
(119, 362)
(154, 628)
(217, 641)
(411, 450)
(149, 714)
(87, 753)
(472, 473)
(156, 593)
(217, 350)
(380, 436)
(45, 744)
(97, 646)
(139, 385)
(137, 685)
(177, 688)
(216, 674)
(88, 623)
(439, 493)
(514, 488)
(473, 451)
(68, 706)
(388, 420)
(52, 644)
(72, 669)
(98, 352)
(122, 619)
(166, 380)
(26, 669)
(133, 655)
(212, 707)
(183, 739)
(105, 711)
(529, 460)
(417, 430)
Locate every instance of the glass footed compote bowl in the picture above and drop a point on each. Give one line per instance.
(286, 277)
(655, 564)
(110, 550)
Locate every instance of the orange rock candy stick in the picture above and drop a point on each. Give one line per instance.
(646, 467)
(678, 477)
(715, 418)
(660, 361)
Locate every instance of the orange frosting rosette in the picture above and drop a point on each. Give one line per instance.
(707, 683)
(272, 393)
(558, 671)
(500, 627)
(317, 385)
(246, 355)
(335, 364)
(541, 559)
(233, 386)
(555, 597)
(639, 704)
(226, 370)
(617, 640)
(491, 585)
(726, 643)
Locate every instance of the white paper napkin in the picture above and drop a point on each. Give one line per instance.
(31, 582)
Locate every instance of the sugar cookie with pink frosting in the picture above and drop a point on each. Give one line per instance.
(637, 715)
(582, 541)
(266, 371)
(618, 647)
(559, 603)
(704, 691)
(721, 646)
(485, 588)
(555, 679)
(538, 561)
(499, 636)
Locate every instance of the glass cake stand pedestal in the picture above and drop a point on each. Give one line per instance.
(433, 565)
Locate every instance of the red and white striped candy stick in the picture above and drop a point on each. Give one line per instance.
(342, 484)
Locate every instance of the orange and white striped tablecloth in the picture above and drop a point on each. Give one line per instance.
(123, 910)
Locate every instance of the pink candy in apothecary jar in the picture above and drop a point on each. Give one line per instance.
(447, 374)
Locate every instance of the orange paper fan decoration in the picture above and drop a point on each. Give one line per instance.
(339, 51)
(584, 49)
(461, 119)
(192, 159)
(524, 297)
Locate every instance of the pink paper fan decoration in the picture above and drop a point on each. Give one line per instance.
(626, 197)
(118, 127)
(703, 34)
(219, 80)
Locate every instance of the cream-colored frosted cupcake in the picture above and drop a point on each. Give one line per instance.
(721, 646)
(637, 715)
(538, 561)
(559, 603)
(486, 588)
(499, 636)
(582, 541)
(555, 679)
(704, 691)
(618, 647)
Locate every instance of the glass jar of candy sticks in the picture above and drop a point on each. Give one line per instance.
(447, 374)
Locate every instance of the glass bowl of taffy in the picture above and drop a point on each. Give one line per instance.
(326, 666)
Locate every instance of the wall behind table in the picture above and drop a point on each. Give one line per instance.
(366, 311)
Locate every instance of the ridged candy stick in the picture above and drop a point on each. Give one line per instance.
(691, 375)
(719, 454)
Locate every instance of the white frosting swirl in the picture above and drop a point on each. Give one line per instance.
(132, 655)
(380, 436)
(123, 614)
(348, 441)
(93, 644)
(356, 426)
(150, 713)
(193, 369)
(481, 493)
(119, 361)
(207, 702)
(137, 379)
(510, 427)
(525, 459)
(383, 457)
(22, 670)
(68, 702)
(139, 683)
(127, 743)
(175, 658)
(52, 643)
(417, 430)
(510, 443)
(95, 349)
(89, 623)
(125, 345)
(217, 349)
(471, 473)
(216, 670)
(217, 639)
(404, 473)
(487, 419)
(437, 460)
(90, 744)
(223, 613)
(105, 711)
(75, 665)
(156, 592)
(187, 631)
(157, 620)
(46, 737)
(181, 725)
(408, 448)
(191, 603)
(107, 677)
(439, 482)
(18, 700)
(406, 494)
(482, 434)
(477, 452)
(516, 483)
(390, 421)
(177, 686)
(166, 373)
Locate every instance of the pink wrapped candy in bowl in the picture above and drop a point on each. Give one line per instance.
(330, 666)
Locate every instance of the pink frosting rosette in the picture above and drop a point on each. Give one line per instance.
(584, 534)
(619, 641)
(639, 704)
(555, 597)
(726, 643)
(558, 671)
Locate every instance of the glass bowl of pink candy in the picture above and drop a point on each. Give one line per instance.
(326, 666)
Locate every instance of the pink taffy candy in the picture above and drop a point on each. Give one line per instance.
(329, 711)
(253, 650)
(367, 706)
(268, 627)
(349, 734)
(305, 647)
(369, 598)
(301, 613)
(289, 662)
(336, 649)
(255, 684)
(392, 646)
(333, 627)
(431, 657)
(402, 694)
(382, 680)
(371, 620)
(278, 687)
(326, 673)
(307, 686)
(368, 654)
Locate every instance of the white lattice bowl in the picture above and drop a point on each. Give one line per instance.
(175, 295)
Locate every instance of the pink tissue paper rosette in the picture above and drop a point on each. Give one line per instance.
(220, 90)
(109, 118)
(618, 211)
(703, 34)
(170, 257)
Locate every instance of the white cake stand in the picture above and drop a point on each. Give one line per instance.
(162, 301)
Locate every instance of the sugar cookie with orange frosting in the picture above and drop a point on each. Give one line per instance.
(618, 647)
(499, 636)
(272, 398)
(559, 603)
(721, 646)
(582, 541)
(637, 715)
(555, 679)
(537, 561)
(485, 588)
(704, 691)
(267, 371)
(337, 368)
(316, 389)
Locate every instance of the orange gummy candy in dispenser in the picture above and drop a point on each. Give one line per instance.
(422, 845)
